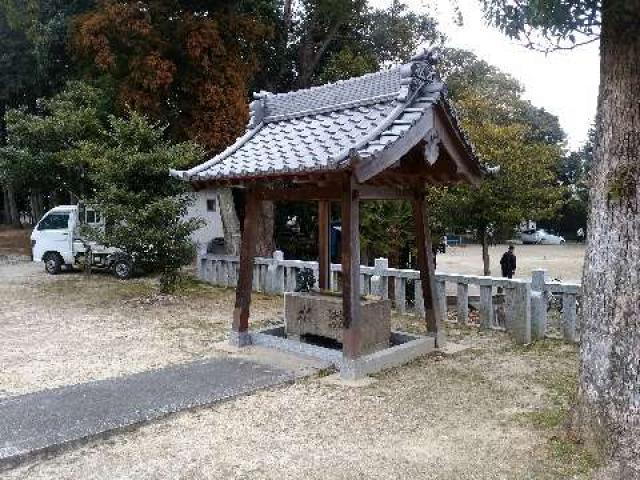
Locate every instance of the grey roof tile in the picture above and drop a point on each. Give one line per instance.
(315, 129)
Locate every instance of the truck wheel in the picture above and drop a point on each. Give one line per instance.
(52, 263)
(122, 269)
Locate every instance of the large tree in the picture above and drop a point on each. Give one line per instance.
(188, 63)
(41, 156)
(607, 414)
(33, 64)
(144, 207)
(509, 131)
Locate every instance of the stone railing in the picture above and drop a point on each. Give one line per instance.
(518, 306)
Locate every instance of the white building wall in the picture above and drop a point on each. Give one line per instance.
(203, 202)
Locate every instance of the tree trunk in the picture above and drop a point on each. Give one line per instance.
(486, 260)
(12, 207)
(3, 124)
(265, 243)
(230, 222)
(5, 206)
(37, 208)
(288, 15)
(607, 413)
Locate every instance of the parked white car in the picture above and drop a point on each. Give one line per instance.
(541, 237)
(55, 240)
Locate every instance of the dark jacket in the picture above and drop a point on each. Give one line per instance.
(508, 264)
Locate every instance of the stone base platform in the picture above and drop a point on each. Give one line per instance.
(403, 348)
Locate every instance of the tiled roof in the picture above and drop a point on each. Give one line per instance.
(379, 86)
(321, 128)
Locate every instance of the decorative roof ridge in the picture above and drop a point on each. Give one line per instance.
(231, 149)
(332, 108)
(329, 84)
(402, 79)
(455, 119)
(388, 121)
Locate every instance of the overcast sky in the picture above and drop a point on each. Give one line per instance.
(564, 83)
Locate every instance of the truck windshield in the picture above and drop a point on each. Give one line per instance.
(54, 221)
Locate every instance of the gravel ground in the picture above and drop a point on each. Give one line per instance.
(492, 411)
(480, 414)
(65, 329)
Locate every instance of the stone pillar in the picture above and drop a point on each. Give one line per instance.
(486, 306)
(376, 286)
(255, 282)
(290, 282)
(538, 304)
(419, 299)
(538, 315)
(518, 311)
(569, 317)
(363, 286)
(463, 303)
(441, 293)
(335, 284)
(275, 274)
(380, 266)
(202, 269)
(538, 279)
(400, 294)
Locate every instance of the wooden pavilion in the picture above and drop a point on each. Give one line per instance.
(379, 136)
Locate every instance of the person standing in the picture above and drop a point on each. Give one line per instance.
(580, 235)
(508, 262)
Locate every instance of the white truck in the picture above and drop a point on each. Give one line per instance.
(56, 241)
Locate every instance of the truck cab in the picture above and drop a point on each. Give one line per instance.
(56, 241)
(54, 234)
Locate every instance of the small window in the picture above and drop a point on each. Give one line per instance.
(92, 217)
(211, 205)
(55, 221)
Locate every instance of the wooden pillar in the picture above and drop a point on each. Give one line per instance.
(351, 270)
(239, 334)
(324, 254)
(426, 267)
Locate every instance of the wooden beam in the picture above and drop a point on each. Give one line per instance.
(368, 168)
(426, 266)
(328, 192)
(324, 235)
(240, 323)
(304, 192)
(351, 340)
(452, 143)
(381, 192)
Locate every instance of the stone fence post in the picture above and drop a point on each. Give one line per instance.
(486, 306)
(538, 303)
(275, 274)
(518, 311)
(379, 281)
(462, 303)
(569, 315)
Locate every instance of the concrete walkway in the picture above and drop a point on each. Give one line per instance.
(44, 422)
